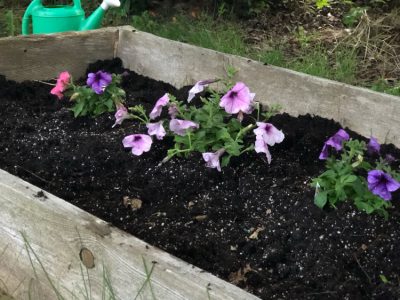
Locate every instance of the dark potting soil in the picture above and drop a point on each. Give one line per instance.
(252, 224)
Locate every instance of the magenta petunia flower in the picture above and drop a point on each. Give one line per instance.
(382, 184)
(237, 99)
(179, 127)
(62, 82)
(212, 159)
(156, 112)
(99, 81)
(335, 141)
(269, 133)
(138, 142)
(156, 129)
(198, 88)
(373, 146)
(121, 115)
(262, 147)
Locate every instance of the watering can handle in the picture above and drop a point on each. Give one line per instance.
(28, 15)
(77, 4)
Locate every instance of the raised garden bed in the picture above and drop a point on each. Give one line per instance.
(202, 216)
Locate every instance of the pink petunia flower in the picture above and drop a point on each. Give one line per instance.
(156, 129)
(212, 159)
(121, 115)
(237, 99)
(268, 133)
(179, 127)
(62, 83)
(138, 142)
(156, 112)
(198, 88)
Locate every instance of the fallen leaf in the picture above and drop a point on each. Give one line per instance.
(254, 235)
(240, 275)
(134, 203)
(200, 217)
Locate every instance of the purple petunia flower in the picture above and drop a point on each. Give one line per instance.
(179, 126)
(156, 129)
(198, 88)
(237, 99)
(138, 142)
(262, 147)
(121, 115)
(335, 141)
(382, 184)
(269, 133)
(373, 146)
(389, 158)
(99, 81)
(212, 159)
(156, 112)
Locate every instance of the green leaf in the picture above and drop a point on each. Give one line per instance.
(225, 160)
(383, 278)
(233, 148)
(348, 179)
(321, 199)
(321, 3)
(223, 134)
(329, 174)
(77, 108)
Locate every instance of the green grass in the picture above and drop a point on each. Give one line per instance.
(228, 37)
(340, 66)
(384, 87)
(204, 31)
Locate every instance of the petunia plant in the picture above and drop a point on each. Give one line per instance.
(356, 171)
(100, 94)
(213, 125)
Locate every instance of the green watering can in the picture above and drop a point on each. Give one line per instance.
(63, 18)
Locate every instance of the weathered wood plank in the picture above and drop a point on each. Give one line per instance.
(362, 110)
(45, 56)
(57, 231)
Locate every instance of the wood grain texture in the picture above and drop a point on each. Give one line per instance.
(42, 57)
(362, 110)
(57, 231)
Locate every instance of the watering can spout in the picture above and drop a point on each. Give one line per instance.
(94, 20)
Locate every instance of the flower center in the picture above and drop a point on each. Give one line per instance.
(137, 138)
(233, 94)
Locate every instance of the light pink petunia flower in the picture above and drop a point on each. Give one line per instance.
(179, 127)
(156, 129)
(121, 115)
(138, 142)
(156, 112)
(262, 147)
(198, 88)
(269, 133)
(173, 111)
(237, 99)
(212, 159)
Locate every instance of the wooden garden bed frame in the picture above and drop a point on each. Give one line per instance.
(42, 230)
